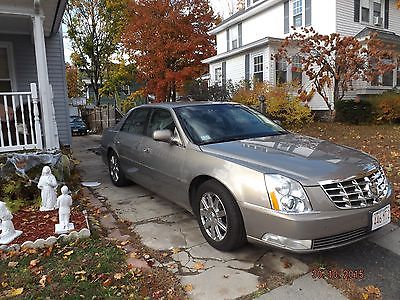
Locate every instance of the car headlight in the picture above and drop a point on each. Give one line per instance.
(286, 195)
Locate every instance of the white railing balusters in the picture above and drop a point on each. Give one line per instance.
(15, 119)
(33, 138)
(7, 119)
(12, 108)
(21, 104)
(38, 130)
(1, 133)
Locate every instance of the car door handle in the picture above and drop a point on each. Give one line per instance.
(146, 150)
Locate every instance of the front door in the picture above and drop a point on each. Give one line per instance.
(164, 162)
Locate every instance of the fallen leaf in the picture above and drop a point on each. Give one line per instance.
(34, 262)
(107, 283)
(118, 276)
(176, 250)
(12, 264)
(124, 243)
(80, 273)
(188, 287)
(68, 253)
(133, 255)
(4, 284)
(42, 281)
(198, 266)
(15, 292)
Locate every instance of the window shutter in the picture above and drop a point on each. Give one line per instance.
(286, 16)
(224, 73)
(247, 67)
(386, 14)
(357, 5)
(308, 12)
(227, 40)
(240, 34)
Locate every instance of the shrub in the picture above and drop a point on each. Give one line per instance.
(282, 103)
(386, 107)
(349, 111)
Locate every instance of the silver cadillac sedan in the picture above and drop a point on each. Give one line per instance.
(245, 178)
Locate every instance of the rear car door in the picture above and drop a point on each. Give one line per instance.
(128, 142)
(164, 162)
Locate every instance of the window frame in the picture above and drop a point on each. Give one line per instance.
(371, 12)
(218, 77)
(297, 11)
(258, 64)
(11, 66)
(278, 63)
(134, 111)
(150, 117)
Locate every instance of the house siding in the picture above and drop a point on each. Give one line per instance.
(25, 73)
(347, 26)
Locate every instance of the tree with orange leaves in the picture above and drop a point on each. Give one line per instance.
(167, 40)
(332, 62)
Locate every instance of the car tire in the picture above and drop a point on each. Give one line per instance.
(219, 217)
(114, 168)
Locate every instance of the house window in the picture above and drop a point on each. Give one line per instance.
(297, 13)
(234, 37)
(281, 71)
(370, 11)
(398, 76)
(218, 76)
(5, 76)
(297, 74)
(258, 63)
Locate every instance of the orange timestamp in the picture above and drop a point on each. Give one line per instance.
(346, 274)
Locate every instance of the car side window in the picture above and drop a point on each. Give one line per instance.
(161, 119)
(136, 122)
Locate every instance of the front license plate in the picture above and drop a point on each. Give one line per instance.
(75, 130)
(381, 217)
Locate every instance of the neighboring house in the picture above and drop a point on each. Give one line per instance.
(33, 92)
(246, 40)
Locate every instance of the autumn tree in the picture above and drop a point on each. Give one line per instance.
(94, 29)
(332, 62)
(74, 82)
(167, 40)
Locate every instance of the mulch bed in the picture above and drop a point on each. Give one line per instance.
(41, 224)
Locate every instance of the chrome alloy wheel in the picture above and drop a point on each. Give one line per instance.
(213, 216)
(114, 168)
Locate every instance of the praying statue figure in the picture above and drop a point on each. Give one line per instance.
(48, 185)
(64, 202)
(8, 232)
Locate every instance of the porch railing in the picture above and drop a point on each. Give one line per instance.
(20, 127)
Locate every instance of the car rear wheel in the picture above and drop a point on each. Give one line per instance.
(219, 217)
(117, 176)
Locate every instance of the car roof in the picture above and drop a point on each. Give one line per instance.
(184, 104)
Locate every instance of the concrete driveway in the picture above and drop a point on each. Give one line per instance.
(211, 274)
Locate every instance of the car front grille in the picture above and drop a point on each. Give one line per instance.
(358, 192)
(340, 239)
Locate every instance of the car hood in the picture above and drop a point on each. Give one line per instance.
(306, 159)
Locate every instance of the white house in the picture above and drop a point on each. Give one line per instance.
(247, 39)
(33, 93)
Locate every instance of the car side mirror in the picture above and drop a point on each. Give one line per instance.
(162, 135)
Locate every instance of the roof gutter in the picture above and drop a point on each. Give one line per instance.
(61, 4)
(250, 12)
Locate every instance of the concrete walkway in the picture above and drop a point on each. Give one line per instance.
(205, 272)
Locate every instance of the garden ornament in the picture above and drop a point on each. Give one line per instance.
(8, 232)
(64, 202)
(48, 184)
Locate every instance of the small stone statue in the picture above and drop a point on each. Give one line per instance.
(64, 202)
(8, 232)
(48, 184)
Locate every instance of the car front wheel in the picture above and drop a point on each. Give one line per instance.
(219, 217)
(117, 176)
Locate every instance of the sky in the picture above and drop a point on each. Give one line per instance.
(221, 7)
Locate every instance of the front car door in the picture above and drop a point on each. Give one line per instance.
(128, 143)
(164, 162)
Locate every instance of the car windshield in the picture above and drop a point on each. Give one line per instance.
(217, 123)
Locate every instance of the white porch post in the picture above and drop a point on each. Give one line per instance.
(45, 94)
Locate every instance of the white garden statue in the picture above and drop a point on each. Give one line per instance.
(8, 232)
(64, 202)
(48, 185)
